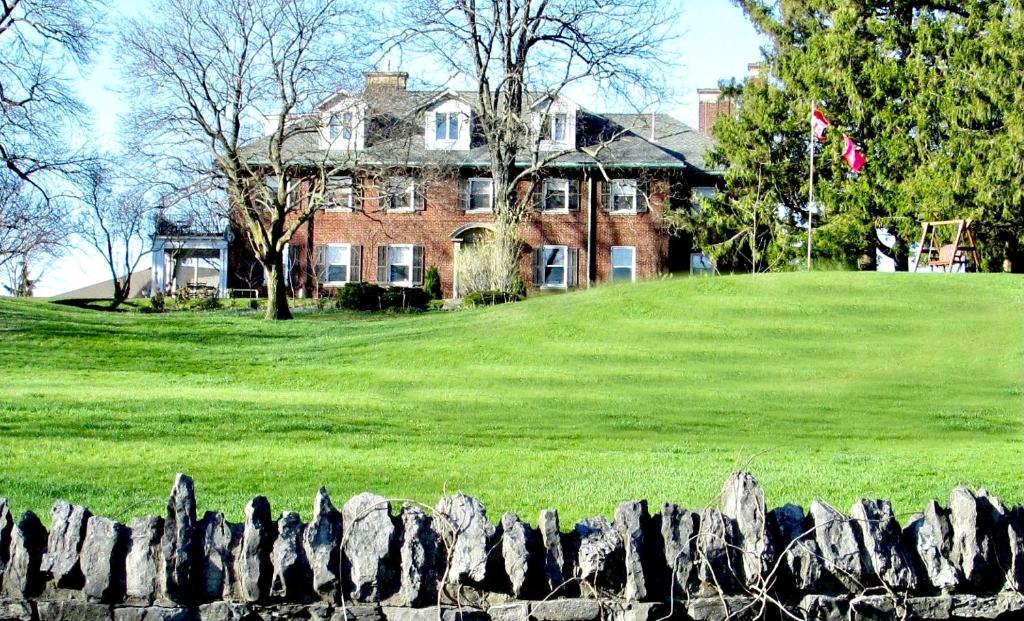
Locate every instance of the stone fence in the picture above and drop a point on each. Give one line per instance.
(372, 560)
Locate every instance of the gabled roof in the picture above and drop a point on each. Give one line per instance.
(629, 139)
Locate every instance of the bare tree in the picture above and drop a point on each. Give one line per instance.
(222, 89)
(521, 56)
(30, 226)
(113, 221)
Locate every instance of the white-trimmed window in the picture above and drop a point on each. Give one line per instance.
(481, 194)
(623, 263)
(555, 196)
(400, 195)
(400, 265)
(338, 195)
(556, 260)
(556, 127)
(337, 264)
(623, 196)
(340, 126)
(446, 126)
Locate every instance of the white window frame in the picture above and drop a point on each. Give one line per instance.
(544, 196)
(564, 266)
(490, 194)
(552, 133)
(412, 260)
(612, 194)
(342, 185)
(411, 195)
(327, 266)
(631, 266)
(449, 116)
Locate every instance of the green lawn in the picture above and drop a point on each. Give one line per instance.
(831, 385)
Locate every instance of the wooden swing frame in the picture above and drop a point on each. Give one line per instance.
(962, 250)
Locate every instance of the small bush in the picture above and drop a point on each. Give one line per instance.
(405, 298)
(518, 288)
(206, 303)
(157, 304)
(436, 305)
(361, 296)
(432, 283)
(490, 298)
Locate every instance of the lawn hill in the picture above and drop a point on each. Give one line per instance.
(826, 385)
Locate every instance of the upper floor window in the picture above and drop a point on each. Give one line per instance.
(338, 195)
(556, 127)
(623, 195)
(340, 126)
(559, 195)
(446, 126)
(481, 194)
(401, 194)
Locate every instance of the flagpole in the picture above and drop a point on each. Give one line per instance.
(810, 202)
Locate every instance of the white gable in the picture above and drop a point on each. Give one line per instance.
(447, 124)
(554, 120)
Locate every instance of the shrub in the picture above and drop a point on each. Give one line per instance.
(405, 298)
(518, 287)
(490, 298)
(361, 296)
(157, 304)
(205, 303)
(436, 305)
(432, 283)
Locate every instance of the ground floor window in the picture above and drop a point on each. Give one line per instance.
(400, 265)
(555, 258)
(337, 259)
(623, 263)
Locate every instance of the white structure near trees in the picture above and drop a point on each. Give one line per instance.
(179, 254)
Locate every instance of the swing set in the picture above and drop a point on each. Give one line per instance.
(947, 246)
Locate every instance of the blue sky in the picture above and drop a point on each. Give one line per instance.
(715, 42)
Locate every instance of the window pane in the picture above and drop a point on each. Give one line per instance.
(622, 257)
(554, 275)
(399, 273)
(559, 127)
(480, 201)
(622, 273)
(554, 195)
(439, 126)
(624, 203)
(337, 273)
(555, 255)
(399, 254)
(453, 126)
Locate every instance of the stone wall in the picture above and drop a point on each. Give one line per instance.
(373, 560)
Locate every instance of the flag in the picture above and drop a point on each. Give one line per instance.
(854, 158)
(819, 124)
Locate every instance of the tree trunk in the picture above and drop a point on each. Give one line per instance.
(121, 291)
(901, 254)
(277, 292)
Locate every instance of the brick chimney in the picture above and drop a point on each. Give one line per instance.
(386, 80)
(713, 105)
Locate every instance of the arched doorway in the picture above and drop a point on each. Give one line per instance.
(471, 264)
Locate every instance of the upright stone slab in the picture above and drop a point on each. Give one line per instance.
(6, 526)
(367, 545)
(881, 536)
(291, 571)
(839, 547)
(1015, 549)
(600, 553)
(515, 552)
(461, 523)
(719, 568)
(417, 575)
(971, 543)
(103, 559)
(67, 531)
(179, 542)
(631, 523)
(22, 577)
(679, 529)
(802, 565)
(930, 538)
(556, 571)
(743, 501)
(142, 564)
(322, 543)
(252, 563)
(216, 544)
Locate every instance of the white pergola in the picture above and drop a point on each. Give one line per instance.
(170, 250)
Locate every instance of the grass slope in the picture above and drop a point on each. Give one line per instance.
(831, 385)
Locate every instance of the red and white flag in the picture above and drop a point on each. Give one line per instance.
(819, 124)
(854, 158)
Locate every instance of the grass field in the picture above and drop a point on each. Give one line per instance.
(830, 385)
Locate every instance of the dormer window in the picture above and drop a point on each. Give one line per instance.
(556, 127)
(340, 126)
(446, 126)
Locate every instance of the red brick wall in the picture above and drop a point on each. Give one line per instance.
(433, 228)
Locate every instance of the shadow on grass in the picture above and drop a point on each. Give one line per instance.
(96, 304)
